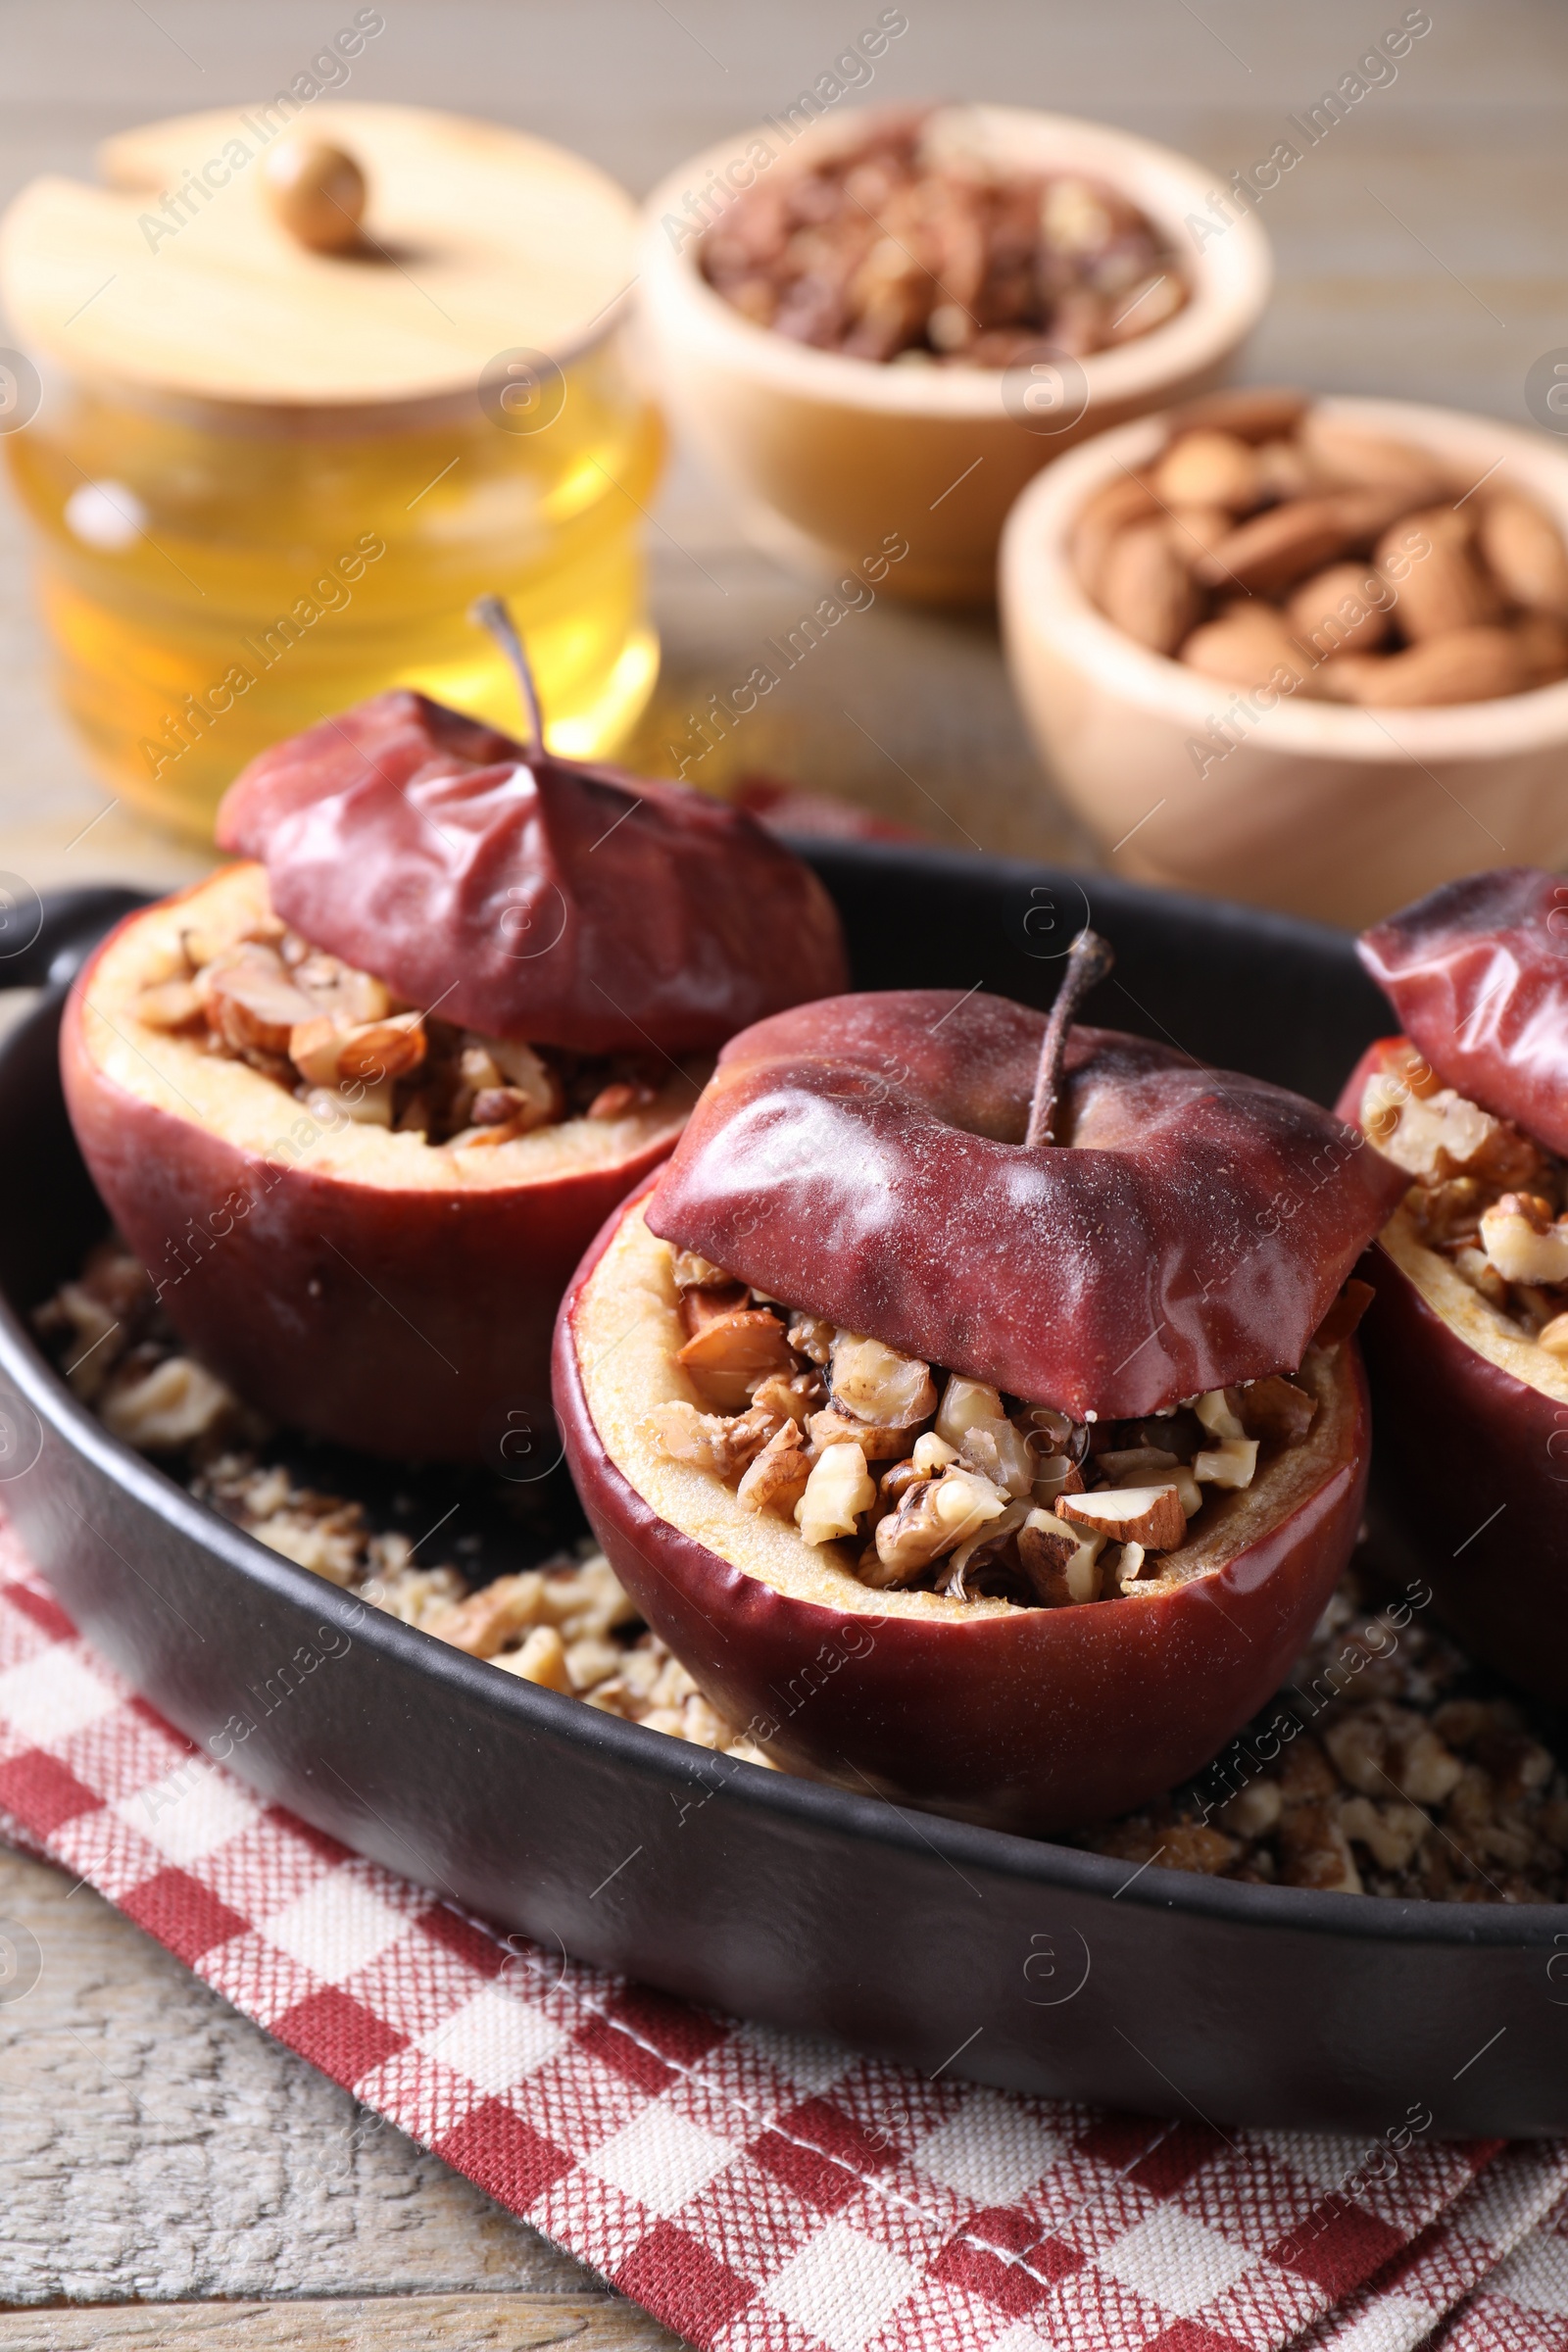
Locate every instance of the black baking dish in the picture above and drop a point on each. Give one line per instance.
(1053, 1971)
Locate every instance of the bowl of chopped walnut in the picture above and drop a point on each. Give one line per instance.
(879, 326)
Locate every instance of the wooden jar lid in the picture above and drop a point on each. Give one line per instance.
(179, 276)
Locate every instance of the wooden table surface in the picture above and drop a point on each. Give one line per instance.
(163, 2159)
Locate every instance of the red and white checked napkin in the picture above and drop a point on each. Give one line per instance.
(760, 2193)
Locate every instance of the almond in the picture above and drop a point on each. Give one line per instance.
(1146, 587)
(1275, 550)
(1245, 646)
(1543, 639)
(1285, 470)
(251, 1002)
(1276, 1407)
(1197, 530)
(1207, 469)
(329, 1054)
(1343, 609)
(1367, 461)
(1149, 1515)
(699, 1309)
(1464, 665)
(1525, 551)
(1367, 514)
(1341, 679)
(1252, 413)
(171, 1005)
(1336, 558)
(387, 1048)
(1059, 1561)
(733, 1354)
(1444, 589)
(1126, 500)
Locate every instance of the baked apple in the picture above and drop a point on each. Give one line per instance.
(971, 1403)
(360, 1101)
(1467, 1343)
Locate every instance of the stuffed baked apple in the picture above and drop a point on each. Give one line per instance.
(1468, 1341)
(971, 1405)
(360, 1101)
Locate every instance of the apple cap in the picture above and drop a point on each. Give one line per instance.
(863, 1159)
(525, 895)
(1478, 974)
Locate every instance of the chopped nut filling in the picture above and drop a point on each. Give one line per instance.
(936, 1480)
(1485, 1195)
(907, 249)
(1406, 1774)
(344, 1045)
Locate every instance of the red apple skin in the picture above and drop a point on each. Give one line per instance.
(1457, 1437)
(409, 1323)
(1043, 1721)
(528, 895)
(864, 1157)
(1477, 973)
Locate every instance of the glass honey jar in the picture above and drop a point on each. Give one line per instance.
(269, 478)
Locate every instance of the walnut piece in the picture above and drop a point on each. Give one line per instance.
(778, 1476)
(934, 1516)
(877, 1384)
(499, 1610)
(542, 1660)
(833, 1425)
(1522, 1240)
(1060, 1558)
(167, 1408)
(1385, 1750)
(839, 1488)
(1231, 1463)
(721, 1443)
(695, 1273)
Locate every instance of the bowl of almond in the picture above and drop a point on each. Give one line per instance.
(1308, 652)
(878, 325)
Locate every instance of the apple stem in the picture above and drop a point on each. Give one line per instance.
(490, 612)
(1089, 960)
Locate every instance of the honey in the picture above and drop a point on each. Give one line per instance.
(273, 469)
(213, 583)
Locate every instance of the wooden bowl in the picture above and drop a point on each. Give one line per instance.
(846, 454)
(1317, 809)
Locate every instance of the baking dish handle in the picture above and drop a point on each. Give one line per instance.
(43, 939)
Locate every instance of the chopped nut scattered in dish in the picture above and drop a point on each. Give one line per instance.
(340, 1042)
(938, 1481)
(1485, 1195)
(1380, 1769)
(913, 247)
(1400, 1773)
(565, 1624)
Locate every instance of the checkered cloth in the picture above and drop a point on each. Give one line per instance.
(759, 2192)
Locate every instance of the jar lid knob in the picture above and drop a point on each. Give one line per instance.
(254, 255)
(317, 192)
